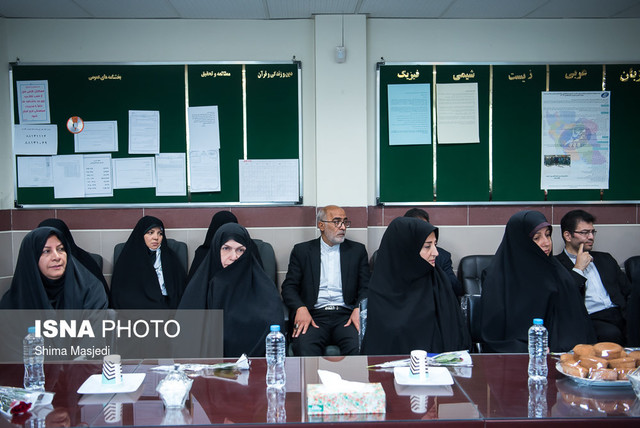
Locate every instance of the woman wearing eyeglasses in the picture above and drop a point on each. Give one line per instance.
(231, 278)
(524, 281)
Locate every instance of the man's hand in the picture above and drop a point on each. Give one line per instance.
(354, 319)
(302, 321)
(583, 258)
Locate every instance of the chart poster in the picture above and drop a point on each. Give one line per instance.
(575, 140)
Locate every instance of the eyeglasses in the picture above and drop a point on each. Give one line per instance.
(586, 233)
(338, 223)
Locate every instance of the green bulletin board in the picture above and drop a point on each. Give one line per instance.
(108, 91)
(505, 165)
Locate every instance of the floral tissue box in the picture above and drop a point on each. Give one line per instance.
(321, 400)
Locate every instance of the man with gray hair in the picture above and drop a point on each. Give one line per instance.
(326, 280)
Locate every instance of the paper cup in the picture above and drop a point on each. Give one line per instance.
(112, 370)
(419, 364)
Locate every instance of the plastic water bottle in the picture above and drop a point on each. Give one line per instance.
(33, 357)
(276, 411)
(538, 339)
(537, 397)
(276, 351)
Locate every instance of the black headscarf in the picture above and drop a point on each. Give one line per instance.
(411, 304)
(523, 283)
(82, 256)
(250, 300)
(218, 219)
(76, 289)
(135, 284)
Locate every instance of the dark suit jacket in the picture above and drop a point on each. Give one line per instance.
(444, 261)
(302, 283)
(614, 280)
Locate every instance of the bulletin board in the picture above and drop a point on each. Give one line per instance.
(504, 164)
(258, 106)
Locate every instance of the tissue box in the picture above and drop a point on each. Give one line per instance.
(325, 401)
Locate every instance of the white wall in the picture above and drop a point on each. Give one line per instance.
(338, 109)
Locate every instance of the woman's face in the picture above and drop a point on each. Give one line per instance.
(429, 252)
(153, 238)
(543, 239)
(230, 252)
(53, 260)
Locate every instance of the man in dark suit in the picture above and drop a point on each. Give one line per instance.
(326, 280)
(444, 257)
(607, 287)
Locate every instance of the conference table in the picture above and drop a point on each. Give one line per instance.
(494, 391)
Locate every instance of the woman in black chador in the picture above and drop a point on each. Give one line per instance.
(47, 276)
(230, 278)
(82, 256)
(411, 303)
(524, 281)
(218, 219)
(147, 274)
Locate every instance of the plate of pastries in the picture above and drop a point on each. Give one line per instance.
(603, 364)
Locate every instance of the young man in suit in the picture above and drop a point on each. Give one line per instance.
(326, 280)
(607, 287)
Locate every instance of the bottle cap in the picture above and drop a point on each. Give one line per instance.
(275, 327)
(537, 321)
(31, 330)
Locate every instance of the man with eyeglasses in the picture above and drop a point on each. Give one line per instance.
(326, 280)
(606, 287)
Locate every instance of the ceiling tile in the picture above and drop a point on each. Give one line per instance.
(583, 8)
(494, 9)
(405, 8)
(297, 9)
(220, 9)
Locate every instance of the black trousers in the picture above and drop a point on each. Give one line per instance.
(330, 331)
(609, 325)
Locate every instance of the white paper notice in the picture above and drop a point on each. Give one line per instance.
(204, 170)
(409, 114)
(273, 180)
(457, 113)
(144, 132)
(68, 176)
(34, 171)
(575, 140)
(99, 136)
(171, 173)
(97, 175)
(35, 139)
(133, 173)
(204, 129)
(33, 101)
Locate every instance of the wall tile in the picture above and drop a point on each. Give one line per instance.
(500, 214)
(6, 266)
(5, 220)
(29, 219)
(184, 217)
(101, 219)
(297, 216)
(5, 283)
(605, 214)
